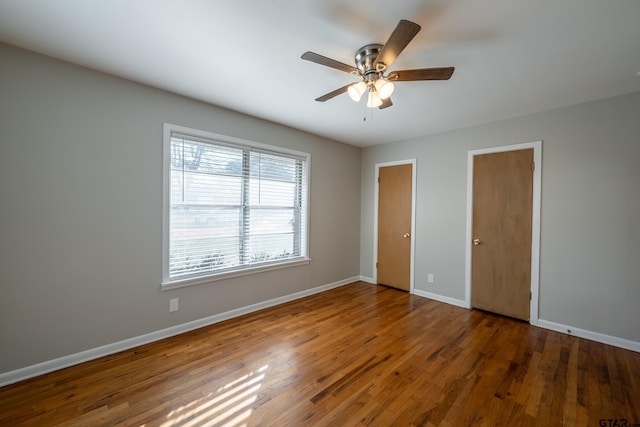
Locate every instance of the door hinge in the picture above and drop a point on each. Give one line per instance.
(530, 296)
(533, 166)
(378, 180)
(376, 265)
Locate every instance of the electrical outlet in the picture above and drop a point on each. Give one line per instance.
(173, 305)
(429, 278)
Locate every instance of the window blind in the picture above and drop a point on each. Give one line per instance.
(233, 207)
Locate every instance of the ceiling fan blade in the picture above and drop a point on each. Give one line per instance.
(443, 73)
(405, 32)
(333, 94)
(386, 103)
(323, 60)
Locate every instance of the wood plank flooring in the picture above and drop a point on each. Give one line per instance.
(356, 355)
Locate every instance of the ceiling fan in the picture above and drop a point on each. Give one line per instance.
(372, 61)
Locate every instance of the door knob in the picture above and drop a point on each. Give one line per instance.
(406, 235)
(476, 242)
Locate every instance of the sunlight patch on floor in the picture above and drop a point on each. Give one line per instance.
(229, 406)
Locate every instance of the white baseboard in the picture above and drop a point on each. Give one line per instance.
(105, 350)
(367, 279)
(593, 336)
(570, 330)
(441, 298)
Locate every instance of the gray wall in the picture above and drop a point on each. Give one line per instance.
(80, 203)
(590, 251)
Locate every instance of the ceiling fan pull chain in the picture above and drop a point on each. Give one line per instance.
(364, 119)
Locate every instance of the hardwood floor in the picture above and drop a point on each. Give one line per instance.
(356, 355)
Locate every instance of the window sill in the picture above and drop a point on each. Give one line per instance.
(181, 283)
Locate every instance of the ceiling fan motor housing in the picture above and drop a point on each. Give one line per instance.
(365, 60)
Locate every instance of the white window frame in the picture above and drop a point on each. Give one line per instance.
(167, 281)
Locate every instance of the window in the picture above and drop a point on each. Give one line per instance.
(230, 207)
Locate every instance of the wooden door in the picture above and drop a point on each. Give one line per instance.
(501, 247)
(394, 226)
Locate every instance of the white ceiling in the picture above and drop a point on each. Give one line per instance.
(512, 57)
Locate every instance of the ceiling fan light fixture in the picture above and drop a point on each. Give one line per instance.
(384, 88)
(374, 100)
(356, 90)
